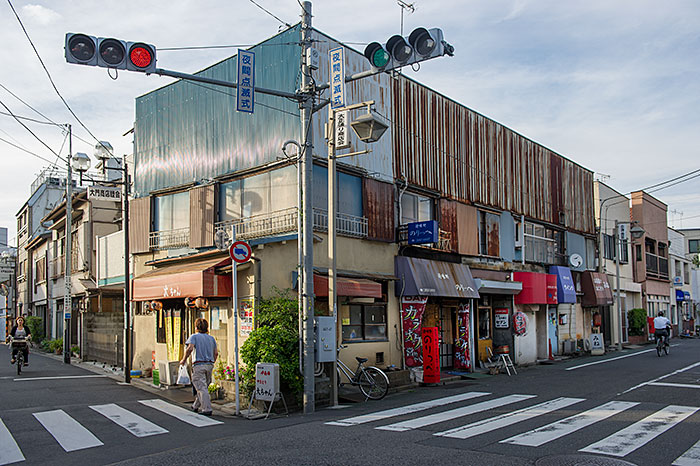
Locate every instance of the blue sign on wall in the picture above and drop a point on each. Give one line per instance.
(423, 232)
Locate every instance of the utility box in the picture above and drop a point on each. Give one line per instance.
(167, 370)
(325, 339)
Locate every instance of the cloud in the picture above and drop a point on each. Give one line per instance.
(40, 14)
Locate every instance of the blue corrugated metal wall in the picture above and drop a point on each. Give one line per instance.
(189, 131)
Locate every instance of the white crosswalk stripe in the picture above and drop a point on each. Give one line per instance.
(690, 457)
(410, 409)
(627, 440)
(9, 450)
(132, 422)
(487, 425)
(454, 413)
(537, 437)
(185, 415)
(68, 432)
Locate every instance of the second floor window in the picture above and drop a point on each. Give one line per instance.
(40, 270)
(171, 212)
(543, 245)
(257, 195)
(489, 240)
(694, 245)
(416, 208)
(608, 247)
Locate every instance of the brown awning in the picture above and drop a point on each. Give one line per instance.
(359, 287)
(189, 279)
(596, 289)
(423, 277)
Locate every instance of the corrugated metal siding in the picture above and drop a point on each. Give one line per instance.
(139, 224)
(188, 131)
(444, 146)
(467, 230)
(448, 222)
(202, 216)
(378, 207)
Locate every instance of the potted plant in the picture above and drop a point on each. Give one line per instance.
(214, 391)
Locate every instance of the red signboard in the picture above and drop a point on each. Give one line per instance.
(462, 356)
(431, 355)
(412, 308)
(551, 289)
(538, 288)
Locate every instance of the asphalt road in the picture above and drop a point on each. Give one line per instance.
(622, 408)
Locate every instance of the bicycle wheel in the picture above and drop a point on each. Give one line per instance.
(374, 383)
(667, 348)
(658, 348)
(20, 362)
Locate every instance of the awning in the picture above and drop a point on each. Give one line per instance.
(680, 296)
(359, 287)
(566, 290)
(538, 288)
(596, 289)
(423, 277)
(498, 287)
(181, 280)
(686, 295)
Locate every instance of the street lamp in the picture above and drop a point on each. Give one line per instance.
(636, 232)
(368, 128)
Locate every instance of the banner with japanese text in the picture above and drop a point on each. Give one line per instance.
(431, 355)
(412, 309)
(462, 354)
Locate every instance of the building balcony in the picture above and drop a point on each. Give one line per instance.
(657, 266)
(169, 239)
(444, 242)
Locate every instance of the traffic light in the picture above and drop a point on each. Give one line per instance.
(110, 53)
(422, 44)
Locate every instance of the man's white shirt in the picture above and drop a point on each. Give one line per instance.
(660, 323)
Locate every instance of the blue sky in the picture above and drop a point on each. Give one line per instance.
(611, 85)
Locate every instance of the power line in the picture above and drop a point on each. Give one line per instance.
(48, 74)
(269, 13)
(32, 132)
(234, 46)
(52, 164)
(29, 119)
(29, 106)
(233, 95)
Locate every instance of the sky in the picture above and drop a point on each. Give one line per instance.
(612, 85)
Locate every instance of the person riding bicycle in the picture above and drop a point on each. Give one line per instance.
(661, 328)
(20, 333)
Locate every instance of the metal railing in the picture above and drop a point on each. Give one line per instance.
(285, 221)
(444, 239)
(169, 239)
(657, 266)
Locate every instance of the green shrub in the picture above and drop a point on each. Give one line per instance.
(75, 349)
(53, 345)
(36, 327)
(276, 340)
(637, 321)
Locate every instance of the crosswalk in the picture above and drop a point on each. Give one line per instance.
(631, 436)
(71, 435)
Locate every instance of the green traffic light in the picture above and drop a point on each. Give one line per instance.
(380, 58)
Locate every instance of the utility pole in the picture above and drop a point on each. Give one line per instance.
(618, 300)
(67, 256)
(307, 288)
(127, 282)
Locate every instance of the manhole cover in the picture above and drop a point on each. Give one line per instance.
(581, 460)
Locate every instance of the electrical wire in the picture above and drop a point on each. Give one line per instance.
(29, 106)
(32, 132)
(51, 164)
(270, 13)
(29, 119)
(233, 95)
(234, 46)
(48, 74)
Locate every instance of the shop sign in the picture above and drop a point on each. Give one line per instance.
(412, 308)
(267, 381)
(423, 232)
(104, 193)
(500, 318)
(519, 323)
(462, 355)
(431, 355)
(246, 314)
(596, 341)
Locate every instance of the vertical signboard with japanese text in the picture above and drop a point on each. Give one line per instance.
(246, 314)
(245, 92)
(462, 354)
(412, 309)
(431, 355)
(337, 65)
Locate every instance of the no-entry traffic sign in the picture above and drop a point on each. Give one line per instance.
(240, 251)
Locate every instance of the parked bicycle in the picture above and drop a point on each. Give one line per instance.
(373, 383)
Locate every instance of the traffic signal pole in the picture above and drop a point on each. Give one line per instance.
(67, 255)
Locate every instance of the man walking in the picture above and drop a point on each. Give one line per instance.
(205, 353)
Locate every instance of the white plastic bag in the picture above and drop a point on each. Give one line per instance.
(183, 378)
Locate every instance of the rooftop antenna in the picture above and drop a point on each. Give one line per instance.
(602, 177)
(680, 220)
(405, 6)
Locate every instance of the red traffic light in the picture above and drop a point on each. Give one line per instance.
(141, 57)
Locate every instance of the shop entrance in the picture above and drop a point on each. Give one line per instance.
(444, 318)
(552, 330)
(484, 326)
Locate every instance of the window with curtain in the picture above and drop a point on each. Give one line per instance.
(259, 194)
(349, 195)
(171, 211)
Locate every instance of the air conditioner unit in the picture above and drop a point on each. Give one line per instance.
(167, 371)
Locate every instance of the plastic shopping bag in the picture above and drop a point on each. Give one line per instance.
(183, 378)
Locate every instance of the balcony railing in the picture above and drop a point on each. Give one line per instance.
(285, 221)
(444, 239)
(657, 266)
(169, 239)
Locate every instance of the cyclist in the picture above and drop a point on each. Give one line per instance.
(661, 328)
(20, 333)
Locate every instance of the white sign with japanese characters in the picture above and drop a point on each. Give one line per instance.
(104, 193)
(341, 130)
(267, 381)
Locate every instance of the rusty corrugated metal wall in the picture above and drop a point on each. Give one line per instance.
(378, 207)
(444, 146)
(139, 224)
(202, 216)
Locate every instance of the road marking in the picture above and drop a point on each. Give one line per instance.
(610, 359)
(132, 422)
(661, 378)
(26, 379)
(414, 408)
(677, 385)
(537, 437)
(9, 450)
(185, 415)
(487, 425)
(630, 438)
(68, 432)
(454, 413)
(690, 457)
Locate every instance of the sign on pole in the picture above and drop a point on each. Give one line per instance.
(337, 65)
(104, 193)
(341, 130)
(245, 92)
(240, 251)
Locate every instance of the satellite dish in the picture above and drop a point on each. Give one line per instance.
(575, 261)
(221, 240)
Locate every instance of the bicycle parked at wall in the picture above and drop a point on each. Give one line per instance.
(662, 330)
(373, 383)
